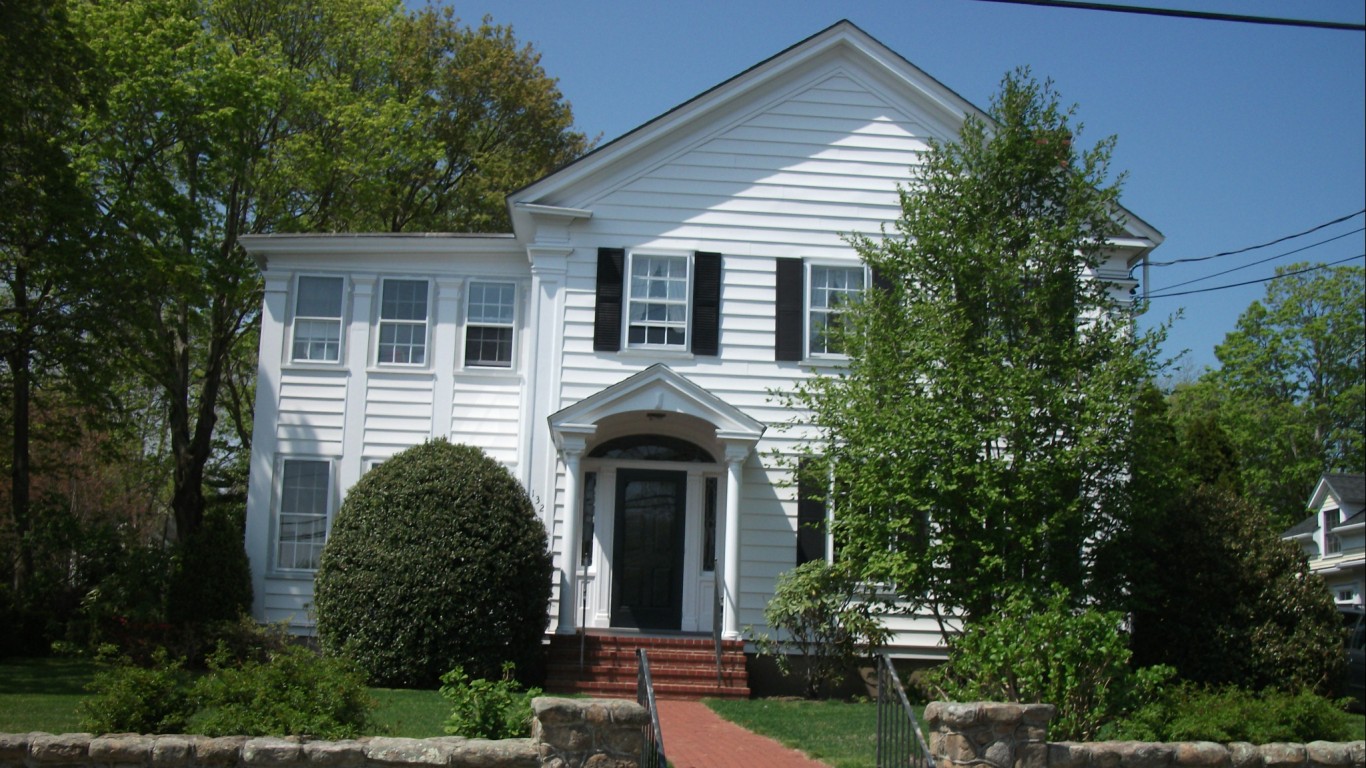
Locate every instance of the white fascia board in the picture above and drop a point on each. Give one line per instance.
(263, 247)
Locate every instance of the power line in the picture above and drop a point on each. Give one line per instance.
(1260, 261)
(1269, 243)
(1183, 14)
(1261, 280)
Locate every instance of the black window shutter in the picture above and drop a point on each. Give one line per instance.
(706, 304)
(881, 281)
(787, 341)
(607, 312)
(810, 517)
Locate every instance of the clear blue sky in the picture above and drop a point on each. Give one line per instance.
(1231, 134)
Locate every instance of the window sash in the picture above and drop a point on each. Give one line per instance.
(403, 323)
(305, 495)
(318, 319)
(829, 290)
(490, 324)
(658, 301)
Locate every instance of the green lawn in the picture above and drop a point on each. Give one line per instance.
(839, 733)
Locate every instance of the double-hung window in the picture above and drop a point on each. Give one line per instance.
(318, 319)
(403, 323)
(657, 301)
(305, 495)
(830, 290)
(490, 324)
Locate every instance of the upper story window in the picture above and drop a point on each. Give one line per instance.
(403, 323)
(1331, 543)
(657, 301)
(490, 324)
(666, 302)
(830, 290)
(318, 319)
(301, 530)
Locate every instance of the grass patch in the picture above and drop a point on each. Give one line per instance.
(840, 733)
(410, 714)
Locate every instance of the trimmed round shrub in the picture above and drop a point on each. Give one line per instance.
(436, 560)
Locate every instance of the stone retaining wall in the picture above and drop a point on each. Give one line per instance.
(994, 735)
(567, 733)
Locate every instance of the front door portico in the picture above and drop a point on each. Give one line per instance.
(671, 538)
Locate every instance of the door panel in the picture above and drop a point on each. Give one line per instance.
(647, 582)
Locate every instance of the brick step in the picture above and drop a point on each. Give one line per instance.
(623, 690)
(657, 658)
(623, 674)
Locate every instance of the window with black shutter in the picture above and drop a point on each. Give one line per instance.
(658, 300)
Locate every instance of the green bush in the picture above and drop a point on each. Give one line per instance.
(824, 617)
(1193, 713)
(1076, 660)
(436, 560)
(294, 693)
(487, 709)
(133, 699)
(212, 579)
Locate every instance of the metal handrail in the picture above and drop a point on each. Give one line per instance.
(900, 743)
(645, 696)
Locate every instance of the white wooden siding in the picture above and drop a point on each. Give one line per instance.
(311, 412)
(486, 412)
(398, 412)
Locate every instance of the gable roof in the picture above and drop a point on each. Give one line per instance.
(842, 41)
(1346, 489)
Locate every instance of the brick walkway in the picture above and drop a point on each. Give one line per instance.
(696, 737)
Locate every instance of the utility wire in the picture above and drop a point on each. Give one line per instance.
(1311, 230)
(1259, 261)
(1183, 14)
(1261, 280)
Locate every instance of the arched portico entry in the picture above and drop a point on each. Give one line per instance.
(650, 510)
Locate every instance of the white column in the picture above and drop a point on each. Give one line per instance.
(571, 452)
(730, 587)
(260, 485)
(358, 357)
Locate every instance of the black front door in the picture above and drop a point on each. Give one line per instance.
(647, 562)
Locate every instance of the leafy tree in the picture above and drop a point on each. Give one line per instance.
(1290, 392)
(978, 438)
(230, 117)
(1225, 601)
(46, 313)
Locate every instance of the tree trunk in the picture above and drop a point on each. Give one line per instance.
(19, 360)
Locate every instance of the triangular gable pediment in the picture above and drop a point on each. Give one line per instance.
(661, 389)
(887, 92)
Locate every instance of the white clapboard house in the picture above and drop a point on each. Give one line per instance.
(618, 350)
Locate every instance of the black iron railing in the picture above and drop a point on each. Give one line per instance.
(900, 743)
(645, 696)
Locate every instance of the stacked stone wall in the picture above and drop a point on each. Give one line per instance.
(567, 733)
(995, 735)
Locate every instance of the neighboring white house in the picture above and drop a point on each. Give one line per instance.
(619, 349)
(1333, 536)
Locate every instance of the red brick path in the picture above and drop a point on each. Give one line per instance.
(696, 737)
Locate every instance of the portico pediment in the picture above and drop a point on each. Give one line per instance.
(657, 389)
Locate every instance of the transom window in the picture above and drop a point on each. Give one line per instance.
(318, 319)
(657, 312)
(305, 489)
(403, 322)
(831, 289)
(490, 322)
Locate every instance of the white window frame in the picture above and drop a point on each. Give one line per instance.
(510, 325)
(278, 507)
(809, 311)
(629, 298)
(299, 319)
(382, 322)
